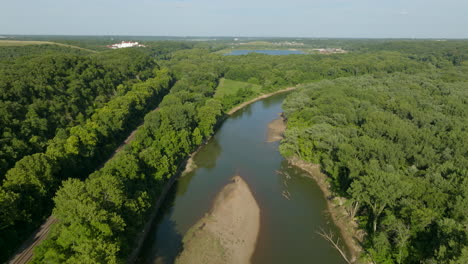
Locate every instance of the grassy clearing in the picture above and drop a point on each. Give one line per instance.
(9, 43)
(229, 87)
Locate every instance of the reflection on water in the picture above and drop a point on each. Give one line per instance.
(169, 247)
(292, 205)
(208, 155)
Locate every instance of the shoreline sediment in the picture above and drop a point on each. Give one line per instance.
(228, 233)
(276, 129)
(260, 97)
(348, 227)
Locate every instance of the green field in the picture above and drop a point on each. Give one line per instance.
(228, 87)
(6, 43)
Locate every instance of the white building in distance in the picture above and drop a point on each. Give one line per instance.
(125, 44)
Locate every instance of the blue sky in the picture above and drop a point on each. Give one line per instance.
(263, 18)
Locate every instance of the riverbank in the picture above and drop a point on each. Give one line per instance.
(229, 232)
(184, 167)
(276, 129)
(263, 96)
(348, 227)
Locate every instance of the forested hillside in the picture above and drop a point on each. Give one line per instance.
(396, 147)
(62, 115)
(101, 216)
(43, 93)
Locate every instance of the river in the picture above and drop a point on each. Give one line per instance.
(288, 226)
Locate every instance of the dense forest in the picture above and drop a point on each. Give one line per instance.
(387, 123)
(101, 216)
(395, 146)
(62, 116)
(41, 94)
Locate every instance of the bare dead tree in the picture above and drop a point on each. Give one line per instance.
(330, 237)
(353, 208)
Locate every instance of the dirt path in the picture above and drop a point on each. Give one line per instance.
(25, 252)
(263, 96)
(229, 232)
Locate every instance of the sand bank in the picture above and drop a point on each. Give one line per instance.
(276, 129)
(228, 233)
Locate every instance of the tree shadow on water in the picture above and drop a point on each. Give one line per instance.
(208, 155)
(163, 243)
(168, 245)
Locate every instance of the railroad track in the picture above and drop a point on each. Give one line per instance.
(26, 251)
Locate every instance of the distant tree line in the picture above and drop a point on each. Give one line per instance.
(275, 72)
(10, 53)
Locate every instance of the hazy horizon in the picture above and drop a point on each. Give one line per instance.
(240, 37)
(273, 19)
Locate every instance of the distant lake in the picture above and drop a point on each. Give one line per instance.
(267, 52)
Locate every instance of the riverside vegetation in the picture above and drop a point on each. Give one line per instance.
(395, 146)
(393, 141)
